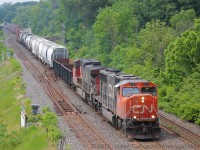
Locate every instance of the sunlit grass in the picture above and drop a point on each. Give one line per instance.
(35, 138)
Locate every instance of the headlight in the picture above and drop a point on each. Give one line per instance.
(142, 99)
(134, 117)
(152, 116)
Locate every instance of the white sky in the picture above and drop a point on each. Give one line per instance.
(14, 1)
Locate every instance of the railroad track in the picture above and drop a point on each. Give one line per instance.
(148, 145)
(187, 134)
(88, 136)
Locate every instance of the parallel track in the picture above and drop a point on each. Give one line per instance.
(149, 145)
(180, 130)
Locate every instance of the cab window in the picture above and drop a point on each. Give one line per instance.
(149, 90)
(128, 91)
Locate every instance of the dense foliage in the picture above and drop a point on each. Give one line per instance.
(157, 40)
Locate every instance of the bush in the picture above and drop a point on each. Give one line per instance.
(49, 121)
(9, 139)
(53, 134)
(16, 66)
(189, 112)
(198, 120)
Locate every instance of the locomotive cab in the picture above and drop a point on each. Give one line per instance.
(137, 109)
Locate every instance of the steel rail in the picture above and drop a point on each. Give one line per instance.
(187, 134)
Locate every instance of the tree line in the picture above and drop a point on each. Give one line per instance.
(156, 40)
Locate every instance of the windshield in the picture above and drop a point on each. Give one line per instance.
(149, 90)
(128, 91)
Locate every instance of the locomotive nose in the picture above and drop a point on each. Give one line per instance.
(142, 107)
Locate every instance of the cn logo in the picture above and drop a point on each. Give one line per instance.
(139, 109)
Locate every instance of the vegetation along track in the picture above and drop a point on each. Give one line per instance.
(83, 130)
(180, 130)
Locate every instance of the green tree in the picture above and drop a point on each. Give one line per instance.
(189, 4)
(8, 11)
(183, 21)
(75, 12)
(2, 132)
(155, 38)
(125, 57)
(182, 57)
(49, 119)
(9, 140)
(114, 26)
(22, 16)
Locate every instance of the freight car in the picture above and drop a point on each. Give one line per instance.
(45, 50)
(127, 101)
(63, 68)
(11, 27)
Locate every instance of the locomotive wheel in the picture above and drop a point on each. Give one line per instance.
(119, 122)
(74, 88)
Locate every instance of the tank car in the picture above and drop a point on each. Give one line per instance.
(49, 51)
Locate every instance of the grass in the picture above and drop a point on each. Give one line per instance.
(11, 94)
(10, 106)
(35, 138)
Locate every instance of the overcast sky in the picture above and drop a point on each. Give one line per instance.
(14, 1)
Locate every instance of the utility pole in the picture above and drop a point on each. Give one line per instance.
(2, 57)
(62, 27)
(8, 53)
(29, 27)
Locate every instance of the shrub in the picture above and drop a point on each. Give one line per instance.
(49, 121)
(16, 66)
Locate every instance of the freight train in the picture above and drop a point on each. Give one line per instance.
(127, 101)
